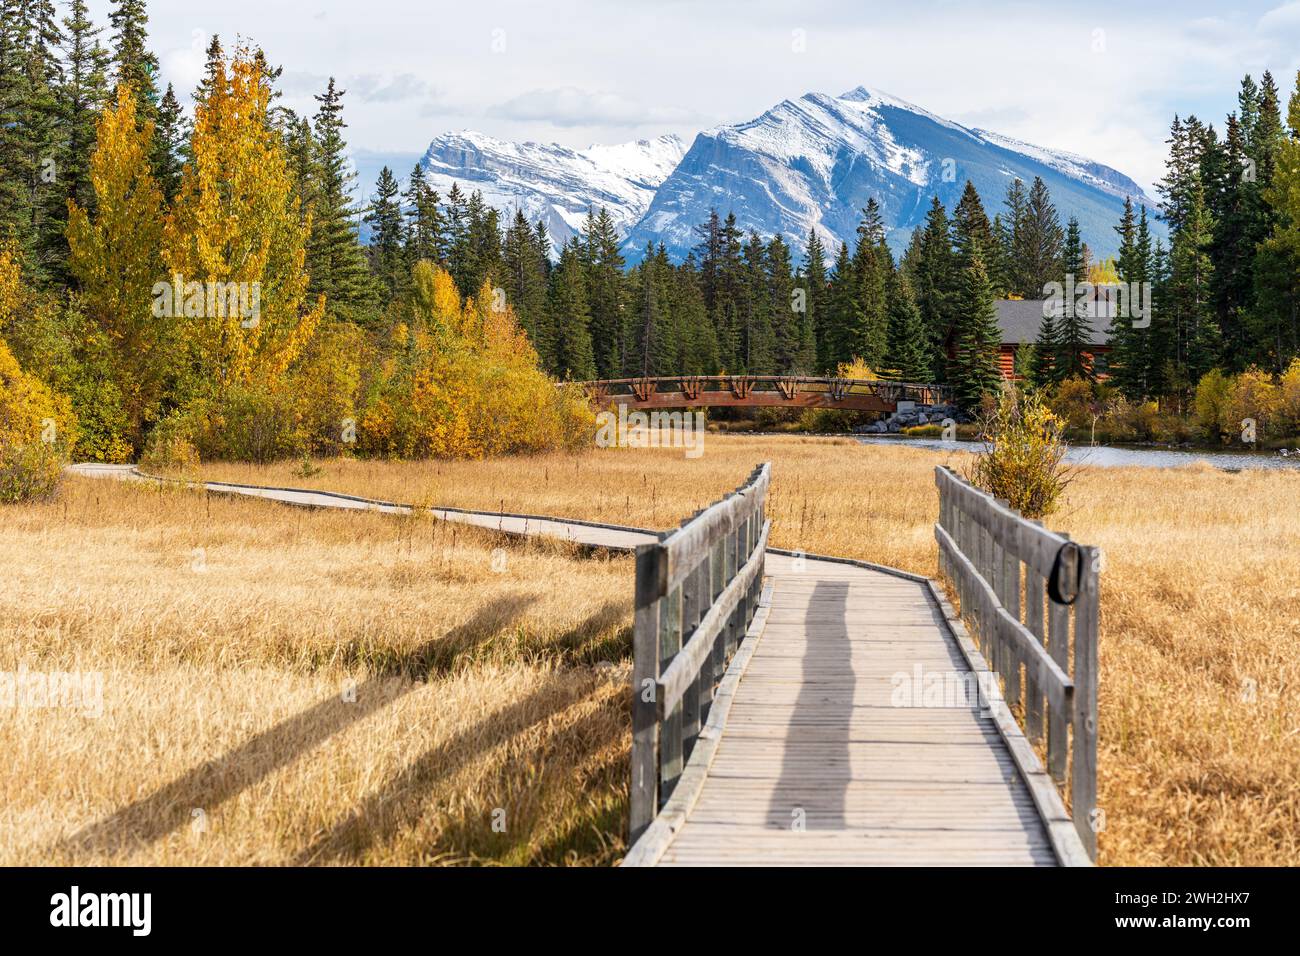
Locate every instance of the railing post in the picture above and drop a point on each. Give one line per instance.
(643, 788)
(1058, 645)
(1008, 575)
(692, 704)
(1035, 594)
(1083, 785)
(670, 728)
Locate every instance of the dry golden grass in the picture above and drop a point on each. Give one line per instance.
(1200, 718)
(289, 686)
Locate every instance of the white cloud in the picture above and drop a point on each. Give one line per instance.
(569, 106)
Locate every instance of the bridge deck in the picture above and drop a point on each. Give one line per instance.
(812, 732)
(812, 737)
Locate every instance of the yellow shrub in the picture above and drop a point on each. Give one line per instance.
(856, 369)
(1254, 397)
(1211, 403)
(1022, 460)
(463, 381)
(1289, 400)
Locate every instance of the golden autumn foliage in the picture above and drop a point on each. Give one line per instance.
(31, 414)
(115, 256)
(37, 425)
(857, 369)
(462, 381)
(236, 220)
(1023, 455)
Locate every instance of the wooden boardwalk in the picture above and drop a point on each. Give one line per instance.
(818, 766)
(809, 758)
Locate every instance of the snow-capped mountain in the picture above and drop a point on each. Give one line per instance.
(552, 183)
(807, 163)
(813, 162)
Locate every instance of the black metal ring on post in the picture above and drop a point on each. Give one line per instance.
(1054, 579)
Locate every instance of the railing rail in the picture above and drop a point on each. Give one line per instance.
(701, 388)
(696, 591)
(1021, 587)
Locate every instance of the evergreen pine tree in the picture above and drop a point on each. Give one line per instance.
(1074, 326)
(569, 318)
(132, 60)
(525, 282)
(812, 279)
(336, 261)
(908, 355)
(603, 269)
(872, 265)
(1036, 247)
(387, 262)
(168, 141)
(81, 96)
(975, 363)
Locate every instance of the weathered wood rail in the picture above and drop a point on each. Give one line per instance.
(1021, 587)
(757, 391)
(697, 590)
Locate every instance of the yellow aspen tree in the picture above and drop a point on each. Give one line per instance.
(115, 255)
(237, 225)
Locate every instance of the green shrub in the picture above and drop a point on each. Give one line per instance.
(827, 420)
(170, 453)
(30, 472)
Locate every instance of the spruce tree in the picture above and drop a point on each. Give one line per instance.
(788, 326)
(872, 265)
(756, 347)
(1074, 326)
(933, 267)
(569, 318)
(603, 269)
(336, 261)
(908, 355)
(699, 339)
(975, 364)
(132, 60)
(523, 263)
(81, 96)
(812, 279)
(844, 312)
(168, 142)
(425, 233)
(1036, 247)
(1125, 372)
(387, 262)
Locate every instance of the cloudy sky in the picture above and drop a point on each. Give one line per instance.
(1102, 78)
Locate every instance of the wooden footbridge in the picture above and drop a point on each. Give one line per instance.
(795, 709)
(759, 391)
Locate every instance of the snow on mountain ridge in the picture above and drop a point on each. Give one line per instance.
(554, 183)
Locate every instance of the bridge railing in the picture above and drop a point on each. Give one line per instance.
(1023, 590)
(696, 591)
(692, 387)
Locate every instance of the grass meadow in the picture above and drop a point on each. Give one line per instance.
(1200, 719)
(291, 686)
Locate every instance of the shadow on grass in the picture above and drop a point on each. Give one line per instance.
(150, 818)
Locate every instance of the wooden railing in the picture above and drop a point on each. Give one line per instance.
(1019, 586)
(688, 391)
(696, 591)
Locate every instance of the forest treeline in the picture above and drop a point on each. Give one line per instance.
(111, 192)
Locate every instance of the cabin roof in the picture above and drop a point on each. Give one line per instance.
(1019, 320)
